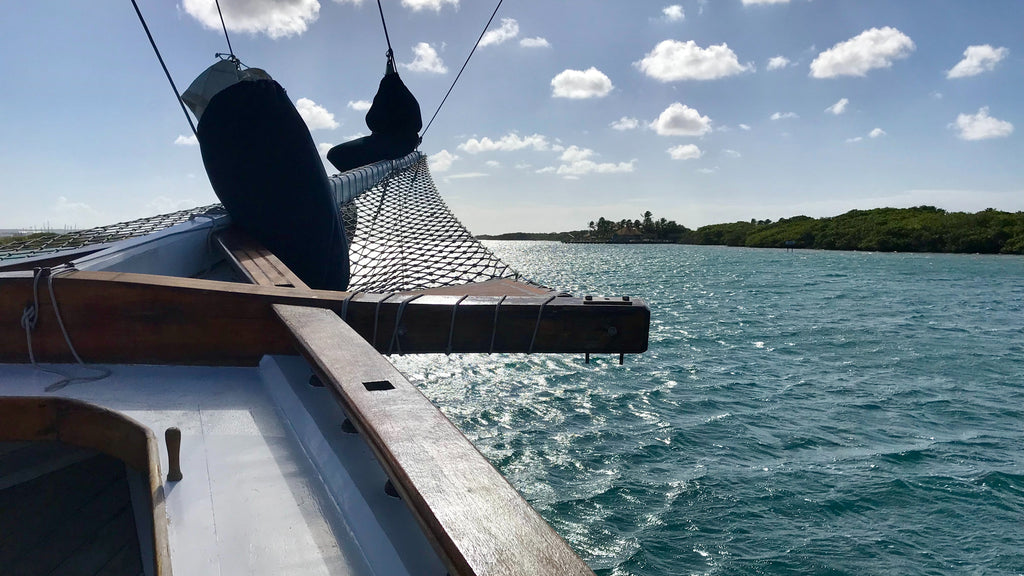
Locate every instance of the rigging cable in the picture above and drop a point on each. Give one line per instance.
(457, 76)
(224, 26)
(177, 95)
(391, 53)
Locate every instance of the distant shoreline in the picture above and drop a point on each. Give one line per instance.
(921, 229)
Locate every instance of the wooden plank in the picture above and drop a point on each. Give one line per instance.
(116, 317)
(495, 287)
(259, 264)
(476, 520)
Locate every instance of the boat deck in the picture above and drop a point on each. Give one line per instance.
(253, 498)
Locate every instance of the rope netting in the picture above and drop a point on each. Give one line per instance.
(41, 243)
(402, 236)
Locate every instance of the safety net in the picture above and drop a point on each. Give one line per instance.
(402, 235)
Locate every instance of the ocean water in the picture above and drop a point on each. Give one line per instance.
(797, 413)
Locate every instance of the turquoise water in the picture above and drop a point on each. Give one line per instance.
(797, 413)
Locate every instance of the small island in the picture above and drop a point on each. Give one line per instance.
(919, 229)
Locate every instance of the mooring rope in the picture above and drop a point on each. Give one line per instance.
(29, 319)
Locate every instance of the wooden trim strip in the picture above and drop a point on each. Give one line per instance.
(476, 520)
(117, 317)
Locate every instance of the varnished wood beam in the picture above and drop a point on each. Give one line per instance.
(477, 522)
(136, 318)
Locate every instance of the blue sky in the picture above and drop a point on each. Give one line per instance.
(701, 111)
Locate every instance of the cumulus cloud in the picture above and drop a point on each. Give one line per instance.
(316, 116)
(435, 5)
(360, 105)
(626, 123)
(535, 42)
(839, 107)
(744, 127)
(876, 133)
(509, 29)
(981, 126)
(784, 115)
(442, 161)
(183, 140)
(871, 49)
(777, 62)
(576, 162)
(69, 209)
(589, 83)
(275, 19)
(506, 143)
(731, 153)
(751, 2)
(681, 120)
(977, 59)
(673, 60)
(426, 60)
(673, 13)
(854, 139)
(685, 152)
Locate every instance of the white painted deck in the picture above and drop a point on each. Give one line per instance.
(272, 485)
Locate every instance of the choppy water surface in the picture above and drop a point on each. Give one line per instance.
(797, 413)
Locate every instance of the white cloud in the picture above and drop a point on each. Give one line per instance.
(506, 143)
(673, 60)
(977, 59)
(871, 49)
(750, 2)
(731, 153)
(839, 107)
(509, 29)
(744, 127)
(352, 2)
(577, 162)
(435, 5)
(426, 60)
(316, 116)
(685, 152)
(673, 13)
(708, 170)
(493, 164)
(589, 83)
(626, 123)
(576, 154)
(981, 126)
(681, 120)
(784, 115)
(360, 105)
(165, 205)
(324, 147)
(854, 139)
(442, 161)
(183, 140)
(74, 209)
(876, 133)
(777, 62)
(535, 42)
(466, 175)
(275, 19)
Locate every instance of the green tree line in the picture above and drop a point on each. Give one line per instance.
(920, 229)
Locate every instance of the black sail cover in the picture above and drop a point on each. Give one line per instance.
(394, 121)
(265, 168)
